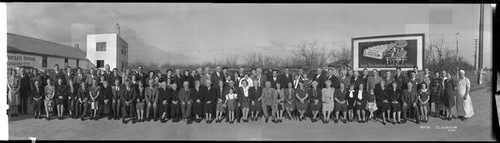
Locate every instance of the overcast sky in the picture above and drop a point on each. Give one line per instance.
(195, 33)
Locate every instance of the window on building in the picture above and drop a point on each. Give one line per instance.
(124, 50)
(100, 63)
(100, 46)
(65, 63)
(44, 61)
(77, 63)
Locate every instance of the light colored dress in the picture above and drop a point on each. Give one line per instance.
(327, 98)
(231, 99)
(14, 96)
(464, 107)
(49, 95)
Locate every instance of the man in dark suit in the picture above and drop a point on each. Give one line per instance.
(25, 91)
(400, 79)
(79, 77)
(57, 74)
(225, 73)
(333, 79)
(260, 77)
(177, 78)
(69, 76)
(128, 98)
(275, 79)
(91, 77)
(141, 75)
(286, 78)
(218, 75)
(365, 76)
(319, 77)
(356, 80)
(116, 103)
(112, 77)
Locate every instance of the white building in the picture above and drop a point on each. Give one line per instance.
(109, 49)
(42, 54)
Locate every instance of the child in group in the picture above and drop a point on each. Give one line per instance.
(371, 106)
(230, 102)
(350, 102)
(423, 98)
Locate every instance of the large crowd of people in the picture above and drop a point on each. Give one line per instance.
(220, 96)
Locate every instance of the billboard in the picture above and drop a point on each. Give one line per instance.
(388, 52)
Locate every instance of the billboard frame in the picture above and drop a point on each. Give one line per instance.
(420, 51)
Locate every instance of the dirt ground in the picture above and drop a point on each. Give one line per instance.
(479, 127)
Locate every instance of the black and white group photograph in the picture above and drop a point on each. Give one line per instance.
(249, 72)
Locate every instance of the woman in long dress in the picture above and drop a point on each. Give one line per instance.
(327, 98)
(341, 102)
(360, 105)
(61, 95)
(37, 98)
(14, 94)
(49, 98)
(301, 104)
(290, 100)
(383, 100)
(449, 96)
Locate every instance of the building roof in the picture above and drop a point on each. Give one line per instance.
(30, 45)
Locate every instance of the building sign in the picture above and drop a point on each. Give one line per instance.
(16, 60)
(388, 52)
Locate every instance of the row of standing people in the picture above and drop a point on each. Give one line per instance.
(258, 78)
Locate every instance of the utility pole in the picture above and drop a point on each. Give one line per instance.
(481, 29)
(457, 54)
(475, 55)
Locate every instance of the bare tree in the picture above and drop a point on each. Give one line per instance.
(254, 59)
(312, 53)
